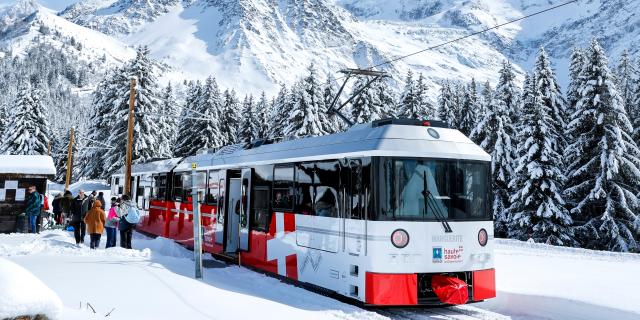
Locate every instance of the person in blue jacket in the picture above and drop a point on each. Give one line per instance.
(33, 207)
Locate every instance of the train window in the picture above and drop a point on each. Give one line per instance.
(410, 175)
(304, 188)
(200, 184)
(326, 185)
(469, 190)
(283, 188)
(213, 187)
(260, 203)
(159, 187)
(178, 183)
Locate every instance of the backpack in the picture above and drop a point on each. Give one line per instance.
(133, 215)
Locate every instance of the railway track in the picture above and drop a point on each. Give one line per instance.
(449, 313)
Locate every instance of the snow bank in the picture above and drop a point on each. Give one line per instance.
(164, 247)
(32, 164)
(21, 293)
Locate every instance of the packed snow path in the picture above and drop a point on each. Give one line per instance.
(155, 282)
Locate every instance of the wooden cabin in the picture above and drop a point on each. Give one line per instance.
(17, 173)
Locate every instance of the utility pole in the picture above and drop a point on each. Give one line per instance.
(127, 173)
(69, 160)
(197, 229)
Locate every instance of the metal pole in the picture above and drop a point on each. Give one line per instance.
(197, 229)
(69, 160)
(127, 173)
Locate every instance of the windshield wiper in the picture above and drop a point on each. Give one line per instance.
(426, 196)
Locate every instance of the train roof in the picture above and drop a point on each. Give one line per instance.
(162, 165)
(363, 140)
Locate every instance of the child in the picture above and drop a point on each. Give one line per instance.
(112, 223)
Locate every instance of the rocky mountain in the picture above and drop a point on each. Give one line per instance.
(252, 45)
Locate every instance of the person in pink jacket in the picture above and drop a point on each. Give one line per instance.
(111, 225)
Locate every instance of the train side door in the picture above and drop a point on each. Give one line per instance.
(354, 223)
(232, 214)
(245, 209)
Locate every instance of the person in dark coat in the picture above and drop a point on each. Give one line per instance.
(101, 198)
(78, 212)
(57, 208)
(33, 208)
(66, 204)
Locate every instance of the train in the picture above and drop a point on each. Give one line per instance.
(379, 214)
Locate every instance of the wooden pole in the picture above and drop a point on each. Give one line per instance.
(127, 173)
(69, 159)
(49, 148)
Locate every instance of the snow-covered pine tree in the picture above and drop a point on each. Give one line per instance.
(187, 142)
(386, 96)
(262, 110)
(366, 107)
(307, 117)
(151, 136)
(626, 79)
(445, 103)
(208, 105)
(575, 83)
(169, 108)
(280, 113)
(551, 97)
(60, 150)
(4, 119)
(494, 133)
(27, 132)
(229, 119)
(603, 172)
(335, 124)
(537, 208)
(467, 116)
(249, 126)
(425, 109)
(413, 102)
(508, 92)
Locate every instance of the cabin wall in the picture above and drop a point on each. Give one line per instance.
(14, 186)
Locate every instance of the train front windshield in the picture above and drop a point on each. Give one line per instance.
(426, 189)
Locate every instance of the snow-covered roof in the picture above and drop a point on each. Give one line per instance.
(163, 165)
(361, 140)
(22, 294)
(27, 164)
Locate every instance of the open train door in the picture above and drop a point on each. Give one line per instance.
(245, 209)
(232, 212)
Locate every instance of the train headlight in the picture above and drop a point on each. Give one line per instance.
(483, 237)
(400, 238)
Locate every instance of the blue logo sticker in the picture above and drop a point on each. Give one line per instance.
(437, 254)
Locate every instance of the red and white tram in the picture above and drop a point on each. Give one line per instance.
(379, 213)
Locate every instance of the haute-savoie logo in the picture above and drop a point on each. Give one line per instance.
(437, 254)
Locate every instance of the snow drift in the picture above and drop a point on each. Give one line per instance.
(21, 293)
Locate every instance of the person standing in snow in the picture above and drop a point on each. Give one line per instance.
(66, 204)
(78, 211)
(112, 223)
(33, 208)
(57, 208)
(95, 220)
(92, 198)
(126, 227)
(101, 198)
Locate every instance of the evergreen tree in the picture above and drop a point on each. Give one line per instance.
(307, 118)
(366, 107)
(279, 116)
(494, 133)
(229, 119)
(575, 83)
(187, 142)
(551, 97)
(4, 119)
(386, 97)
(151, 132)
(413, 103)
(61, 150)
(262, 110)
(28, 130)
(250, 126)
(604, 179)
(467, 117)
(625, 80)
(335, 124)
(445, 104)
(537, 207)
(169, 108)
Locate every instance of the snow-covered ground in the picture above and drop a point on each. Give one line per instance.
(155, 281)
